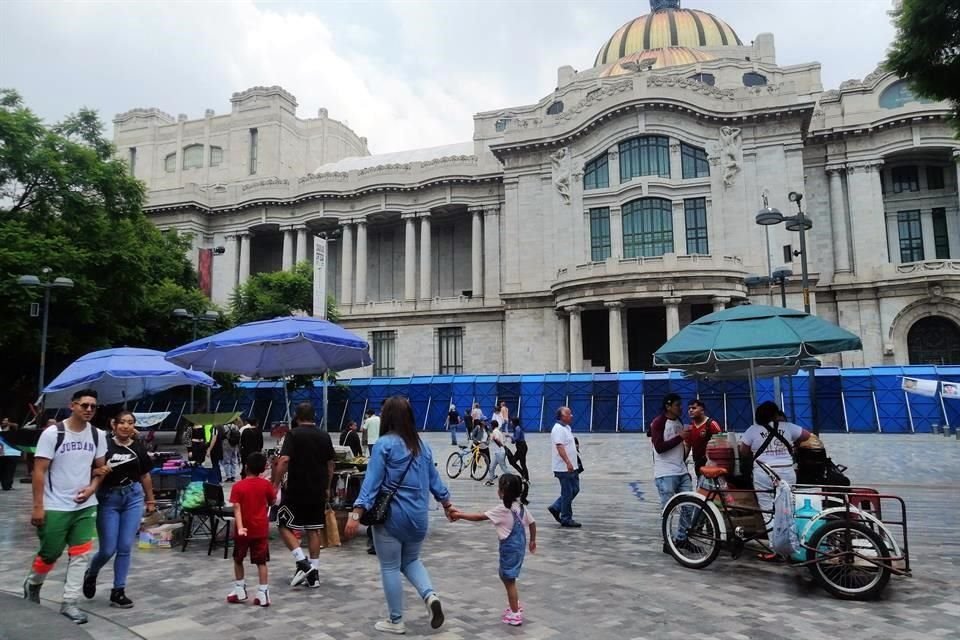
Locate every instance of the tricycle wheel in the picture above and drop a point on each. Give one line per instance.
(849, 564)
(690, 532)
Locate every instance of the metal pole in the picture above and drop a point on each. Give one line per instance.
(906, 399)
(325, 423)
(192, 402)
(43, 339)
(805, 284)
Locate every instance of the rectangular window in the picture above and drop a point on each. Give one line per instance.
(599, 234)
(941, 241)
(905, 179)
(254, 139)
(645, 156)
(695, 215)
(596, 173)
(193, 156)
(911, 236)
(133, 161)
(384, 353)
(934, 177)
(216, 156)
(694, 162)
(451, 350)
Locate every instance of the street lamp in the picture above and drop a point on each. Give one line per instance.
(56, 283)
(196, 319)
(801, 224)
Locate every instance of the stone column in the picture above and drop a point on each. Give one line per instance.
(563, 342)
(491, 252)
(576, 339)
(287, 249)
(953, 221)
(361, 277)
(676, 164)
(476, 252)
(410, 257)
(679, 229)
(346, 264)
(616, 232)
(926, 230)
(615, 322)
(426, 257)
(301, 245)
(233, 248)
(719, 303)
(838, 221)
(673, 316)
(893, 239)
(863, 180)
(244, 257)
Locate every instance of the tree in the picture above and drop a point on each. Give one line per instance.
(927, 49)
(68, 203)
(278, 293)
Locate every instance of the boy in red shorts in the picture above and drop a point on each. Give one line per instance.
(251, 497)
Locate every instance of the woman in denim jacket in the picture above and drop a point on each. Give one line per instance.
(399, 539)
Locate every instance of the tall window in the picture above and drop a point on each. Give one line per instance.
(694, 162)
(934, 177)
(384, 353)
(645, 156)
(647, 228)
(941, 241)
(216, 156)
(193, 156)
(905, 179)
(911, 236)
(254, 140)
(133, 161)
(596, 173)
(599, 234)
(170, 163)
(451, 350)
(695, 216)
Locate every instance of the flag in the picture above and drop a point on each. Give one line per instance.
(950, 390)
(920, 387)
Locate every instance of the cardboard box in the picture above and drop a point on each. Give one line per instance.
(164, 536)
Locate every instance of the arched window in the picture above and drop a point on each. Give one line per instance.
(694, 161)
(645, 156)
(596, 173)
(193, 156)
(899, 94)
(647, 228)
(216, 156)
(934, 340)
(753, 79)
(170, 163)
(705, 78)
(555, 108)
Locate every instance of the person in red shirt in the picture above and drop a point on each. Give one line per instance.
(251, 497)
(702, 428)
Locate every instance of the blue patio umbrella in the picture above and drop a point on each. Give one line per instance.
(120, 375)
(277, 348)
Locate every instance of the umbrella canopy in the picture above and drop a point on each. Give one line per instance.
(280, 347)
(740, 368)
(763, 335)
(120, 375)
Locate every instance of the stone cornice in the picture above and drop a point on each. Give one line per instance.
(141, 112)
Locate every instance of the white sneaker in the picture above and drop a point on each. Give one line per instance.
(262, 598)
(391, 627)
(435, 610)
(239, 594)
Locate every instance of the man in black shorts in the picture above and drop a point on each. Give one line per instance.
(306, 460)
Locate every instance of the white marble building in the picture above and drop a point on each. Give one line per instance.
(579, 233)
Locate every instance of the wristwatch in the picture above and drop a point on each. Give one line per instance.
(354, 515)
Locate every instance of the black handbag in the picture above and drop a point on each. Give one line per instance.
(380, 511)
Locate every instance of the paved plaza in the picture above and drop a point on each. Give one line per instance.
(606, 580)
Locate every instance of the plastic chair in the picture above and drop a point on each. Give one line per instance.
(206, 520)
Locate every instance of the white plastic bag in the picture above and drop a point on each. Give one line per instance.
(784, 539)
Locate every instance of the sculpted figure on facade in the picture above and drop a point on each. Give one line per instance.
(560, 160)
(731, 153)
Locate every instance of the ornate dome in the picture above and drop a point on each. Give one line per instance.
(655, 59)
(667, 25)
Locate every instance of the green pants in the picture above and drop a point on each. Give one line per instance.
(61, 529)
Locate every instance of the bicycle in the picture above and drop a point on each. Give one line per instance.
(472, 455)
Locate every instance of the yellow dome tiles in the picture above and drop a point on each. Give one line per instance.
(667, 28)
(656, 59)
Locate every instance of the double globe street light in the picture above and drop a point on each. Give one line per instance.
(31, 281)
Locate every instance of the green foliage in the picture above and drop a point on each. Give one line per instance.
(67, 203)
(927, 49)
(278, 293)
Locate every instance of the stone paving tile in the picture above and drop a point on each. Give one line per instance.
(607, 580)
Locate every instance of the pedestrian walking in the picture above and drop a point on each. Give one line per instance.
(498, 454)
(251, 499)
(519, 438)
(403, 463)
(517, 530)
(453, 419)
(231, 444)
(251, 441)
(563, 453)
(371, 429)
(124, 492)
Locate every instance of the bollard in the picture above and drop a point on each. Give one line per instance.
(946, 431)
(935, 428)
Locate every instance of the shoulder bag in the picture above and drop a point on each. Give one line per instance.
(380, 511)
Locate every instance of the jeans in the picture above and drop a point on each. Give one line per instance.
(118, 520)
(499, 459)
(8, 467)
(669, 486)
(395, 558)
(215, 477)
(520, 459)
(453, 434)
(228, 466)
(569, 488)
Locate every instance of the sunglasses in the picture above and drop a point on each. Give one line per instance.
(87, 406)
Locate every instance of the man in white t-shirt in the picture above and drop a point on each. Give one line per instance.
(371, 426)
(65, 501)
(775, 455)
(563, 463)
(670, 474)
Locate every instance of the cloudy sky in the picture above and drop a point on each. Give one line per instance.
(404, 73)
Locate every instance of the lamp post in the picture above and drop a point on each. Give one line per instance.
(780, 277)
(47, 286)
(196, 319)
(801, 224)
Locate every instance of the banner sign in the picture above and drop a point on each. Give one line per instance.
(320, 277)
(205, 271)
(920, 387)
(950, 390)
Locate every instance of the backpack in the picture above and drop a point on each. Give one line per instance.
(233, 435)
(193, 496)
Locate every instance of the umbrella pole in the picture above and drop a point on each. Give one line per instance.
(753, 390)
(325, 424)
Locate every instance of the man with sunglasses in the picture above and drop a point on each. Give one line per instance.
(65, 501)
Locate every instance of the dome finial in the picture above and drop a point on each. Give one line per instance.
(657, 5)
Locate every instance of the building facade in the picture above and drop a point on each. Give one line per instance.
(581, 232)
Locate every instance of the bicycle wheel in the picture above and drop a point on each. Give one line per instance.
(454, 465)
(691, 532)
(478, 468)
(848, 564)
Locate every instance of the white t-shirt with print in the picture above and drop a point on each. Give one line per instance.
(776, 454)
(502, 519)
(496, 441)
(562, 434)
(70, 466)
(671, 462)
